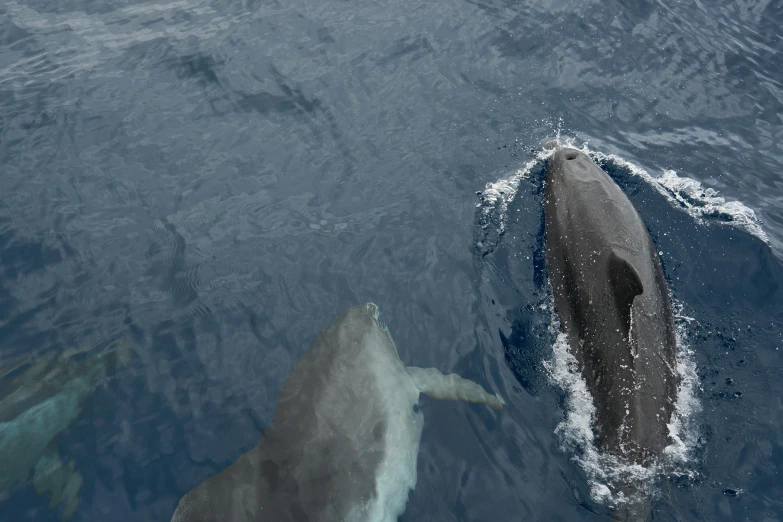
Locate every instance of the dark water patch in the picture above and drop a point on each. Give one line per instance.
(11, 33)
(22, 256)
(266, 103)
(417, 47)
(526, 349)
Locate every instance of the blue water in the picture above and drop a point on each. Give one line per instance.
(207, 183)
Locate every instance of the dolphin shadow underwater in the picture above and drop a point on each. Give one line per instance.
(613, 303)
(344, 438)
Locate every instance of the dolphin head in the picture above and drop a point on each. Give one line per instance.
(363, 324)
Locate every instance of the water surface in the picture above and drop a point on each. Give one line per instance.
(211, 182)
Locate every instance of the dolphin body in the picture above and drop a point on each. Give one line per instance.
(344, 439)
(38, 400)
(613, 303)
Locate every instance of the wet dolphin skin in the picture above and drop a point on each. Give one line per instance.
(611, 297)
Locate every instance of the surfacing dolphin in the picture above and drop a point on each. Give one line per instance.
(613, 303)
(344, 439)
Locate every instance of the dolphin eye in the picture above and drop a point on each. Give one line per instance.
(416, 408)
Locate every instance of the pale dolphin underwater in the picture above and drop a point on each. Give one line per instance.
(613, 303)
(40, 398)
(344, 439)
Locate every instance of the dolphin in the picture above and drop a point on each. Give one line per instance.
(344, 438)
(38, 400)
(611, 297)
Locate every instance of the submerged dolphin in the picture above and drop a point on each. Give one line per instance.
(613, 304)
(344, 439)
(38, 400)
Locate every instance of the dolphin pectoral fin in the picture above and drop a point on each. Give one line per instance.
(432, 382)
(61, 481)
(626, 285)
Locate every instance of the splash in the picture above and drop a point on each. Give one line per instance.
(615, 481)
(703, 204)
(682, 430)
(492, 208)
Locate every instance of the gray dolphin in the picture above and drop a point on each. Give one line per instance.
(344, 439)
(613, 303)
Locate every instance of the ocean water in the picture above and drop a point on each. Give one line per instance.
(190, 190)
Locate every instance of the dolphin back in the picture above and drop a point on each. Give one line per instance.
(611, 297)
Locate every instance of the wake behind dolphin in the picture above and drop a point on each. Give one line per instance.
(611, 296)
(344, 439)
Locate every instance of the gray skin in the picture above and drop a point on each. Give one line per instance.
(613, 303)
(344, 439)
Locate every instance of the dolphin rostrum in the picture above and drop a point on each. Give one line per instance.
(344, 439)
(613, 303)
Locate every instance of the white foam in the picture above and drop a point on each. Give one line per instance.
(681, 429)
(494, 200)
(704, 204)
(608, 474)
